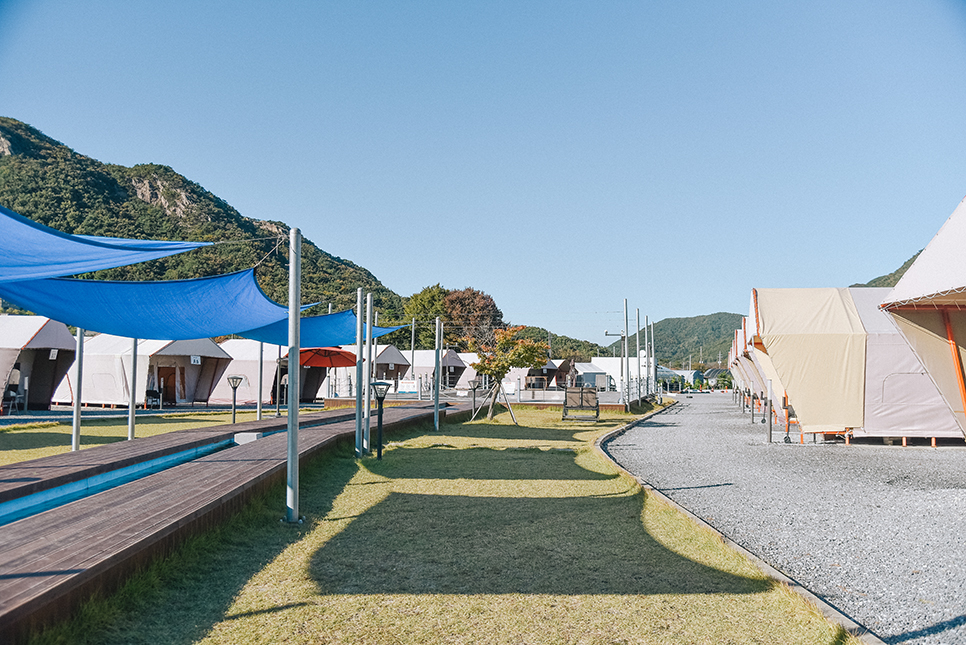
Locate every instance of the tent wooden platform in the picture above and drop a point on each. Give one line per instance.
(54, 560)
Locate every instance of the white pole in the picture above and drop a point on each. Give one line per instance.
(79, 362)
(359, 324)
(368, 380)
(638, 354)
(261, 380)
(439, 373)
(653, 357)
(132, 402)
(412, 352)
(627, 361)
(294, 353)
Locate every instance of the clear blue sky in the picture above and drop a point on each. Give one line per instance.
(560, 156)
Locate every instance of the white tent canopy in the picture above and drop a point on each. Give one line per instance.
(189, 368)
(42, 348)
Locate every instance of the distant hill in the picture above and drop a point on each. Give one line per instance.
(697, 337)
(889, 280)
(44, 180)
(565, 347)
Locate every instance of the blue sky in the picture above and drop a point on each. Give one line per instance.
(560, 156)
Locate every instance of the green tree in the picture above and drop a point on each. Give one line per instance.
(425, 306)
(505, 352)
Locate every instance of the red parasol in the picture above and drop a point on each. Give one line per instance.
(326, 357)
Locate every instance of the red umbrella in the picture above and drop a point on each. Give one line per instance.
(326, 357)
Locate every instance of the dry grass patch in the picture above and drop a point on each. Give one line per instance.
(481, 533)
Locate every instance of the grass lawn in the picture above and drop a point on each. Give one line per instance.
(480, 533)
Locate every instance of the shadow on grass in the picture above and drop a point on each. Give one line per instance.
(177, 600)
(590, 539)
(434, 544)
(483, 463)
(515, 433)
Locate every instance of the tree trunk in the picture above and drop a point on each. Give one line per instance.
(494, 393)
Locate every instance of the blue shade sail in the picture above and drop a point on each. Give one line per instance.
(167, 310)
(31, 251)
(317, 331)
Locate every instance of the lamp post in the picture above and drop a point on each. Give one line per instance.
(234, 382)
(474, 384)
(380, 388)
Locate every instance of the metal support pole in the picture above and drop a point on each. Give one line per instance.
(379, 433)
(439, 373)
(359, 324)
(638, 354)
(627, 362)
(278, 384)
(78, 387)
(132, 402)
(261, 378)
(294, 353)
(368, 380)
(768, 411)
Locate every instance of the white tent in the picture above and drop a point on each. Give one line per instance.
(929, 306)
(244, 363)
(182, 371)
(35, 352)
(452, 366)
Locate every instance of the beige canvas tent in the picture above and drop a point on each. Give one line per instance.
(816, 342)
(929, 306)
(35, 353)
(843, 364)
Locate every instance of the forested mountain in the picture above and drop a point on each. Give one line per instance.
(698, 337)
(44, 180)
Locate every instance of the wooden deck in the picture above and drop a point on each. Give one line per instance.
(52, 561)
(35, 475)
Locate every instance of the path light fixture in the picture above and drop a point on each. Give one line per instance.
(474, 386)
(234, 382)
(380, 389)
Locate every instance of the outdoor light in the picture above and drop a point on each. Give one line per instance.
(380, 389)
(234, 381)
(474, 385)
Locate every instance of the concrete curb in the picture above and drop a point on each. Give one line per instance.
(831, 613)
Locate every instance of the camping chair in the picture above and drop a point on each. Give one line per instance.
(152, 398)
(12, 399)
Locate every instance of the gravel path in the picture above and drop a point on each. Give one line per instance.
(877, 531)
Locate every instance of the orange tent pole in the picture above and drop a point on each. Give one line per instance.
(957, 362)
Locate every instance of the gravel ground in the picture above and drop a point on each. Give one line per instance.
(875, 530)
